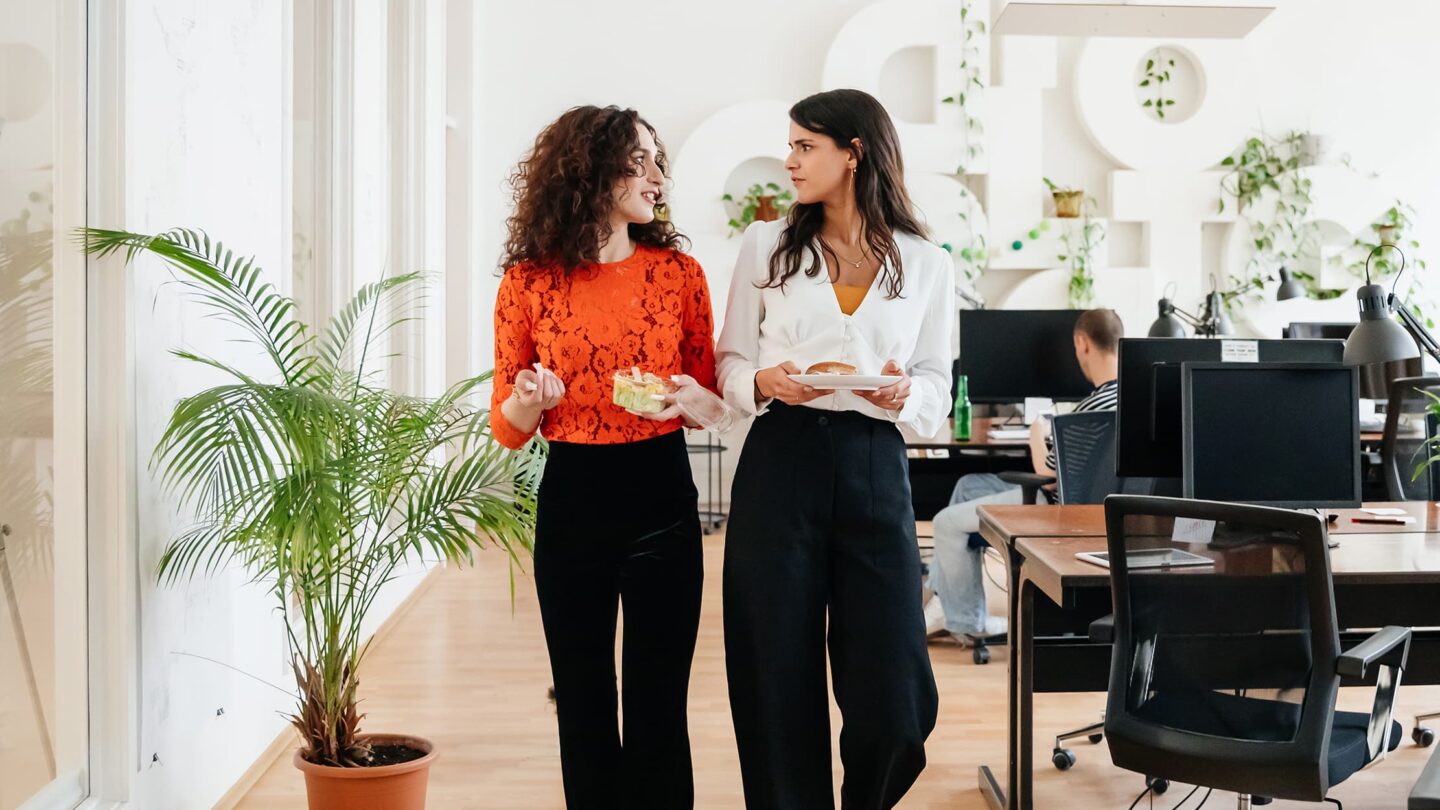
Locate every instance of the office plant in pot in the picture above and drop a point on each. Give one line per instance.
(765, 202)
(1069, 202)
(324, 483)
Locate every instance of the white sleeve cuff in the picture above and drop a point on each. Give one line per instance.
(740, 392)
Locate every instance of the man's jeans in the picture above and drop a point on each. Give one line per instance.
(957, 572)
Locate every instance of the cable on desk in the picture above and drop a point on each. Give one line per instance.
(1204, 798)
(1143, 794)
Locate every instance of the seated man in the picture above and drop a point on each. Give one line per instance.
(957, 570)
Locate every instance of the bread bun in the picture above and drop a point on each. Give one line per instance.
(832, 367)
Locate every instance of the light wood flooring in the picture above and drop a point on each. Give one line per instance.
(466, 670)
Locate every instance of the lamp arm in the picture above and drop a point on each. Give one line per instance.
(1416, 329)
(1190, 320)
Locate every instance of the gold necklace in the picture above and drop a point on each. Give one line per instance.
(864, 254)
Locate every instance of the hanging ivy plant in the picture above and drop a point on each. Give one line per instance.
(1157, 75)
(1394, 227)
(970, 85)
(1079, 245)
(1284, 235)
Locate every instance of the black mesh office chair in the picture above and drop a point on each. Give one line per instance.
(1225, 676)
(1403, 445)
(1085, 462)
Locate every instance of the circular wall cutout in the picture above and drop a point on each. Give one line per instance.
(1169, 84)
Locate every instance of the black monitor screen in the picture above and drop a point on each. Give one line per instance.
(1007, 355)
(1375, 378)
(1310, 330)
(1283, 434)
(1147, 420)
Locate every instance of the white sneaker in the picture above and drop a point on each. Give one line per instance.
(934, 618)
(996, 625)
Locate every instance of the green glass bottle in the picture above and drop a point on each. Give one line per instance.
(962, 410)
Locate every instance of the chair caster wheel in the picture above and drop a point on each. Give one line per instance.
(1095, 738)
(1157, 785)
(1423, 736)
(1063, 759)
(980, 655)
(1261, 800)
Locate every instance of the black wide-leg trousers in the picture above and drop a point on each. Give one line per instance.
(821, 526)
(617, 524)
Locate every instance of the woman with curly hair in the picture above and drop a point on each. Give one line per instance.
(596, 283)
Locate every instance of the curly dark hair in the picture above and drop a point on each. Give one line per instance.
(564, 191)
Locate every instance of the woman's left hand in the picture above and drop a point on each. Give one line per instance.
(892, 397)
(671, 410)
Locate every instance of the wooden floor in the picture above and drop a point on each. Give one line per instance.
(464, 670)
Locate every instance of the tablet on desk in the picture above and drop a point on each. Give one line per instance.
(1148, 558)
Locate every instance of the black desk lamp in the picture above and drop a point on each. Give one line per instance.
(1213, 320)
(1378, 338)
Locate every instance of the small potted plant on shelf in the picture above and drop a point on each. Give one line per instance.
(1069, 202)
(765, 202)
(323, 483)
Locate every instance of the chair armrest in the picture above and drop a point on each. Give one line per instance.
(1029, 483)
(1389, 647)
(1102, 630)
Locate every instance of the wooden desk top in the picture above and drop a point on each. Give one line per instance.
(1009, 522)
(1360, 559)
(979, 437)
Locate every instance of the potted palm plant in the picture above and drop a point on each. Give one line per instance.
(323, 483)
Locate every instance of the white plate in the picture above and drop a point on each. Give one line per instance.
(844, 382)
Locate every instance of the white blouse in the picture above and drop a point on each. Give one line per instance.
(803, 323)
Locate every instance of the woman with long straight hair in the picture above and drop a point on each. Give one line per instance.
(821, 528)
(596, 284)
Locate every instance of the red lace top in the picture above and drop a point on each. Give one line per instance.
(650, 311)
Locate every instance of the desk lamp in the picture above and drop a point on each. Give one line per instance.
(1378, 338)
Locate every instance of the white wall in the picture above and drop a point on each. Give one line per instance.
(206, 146)
(204, 141)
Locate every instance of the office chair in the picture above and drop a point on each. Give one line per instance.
(1085, 462)
(1405, 439)
(1225, 676)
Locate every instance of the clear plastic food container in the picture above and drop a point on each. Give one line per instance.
(638, 390)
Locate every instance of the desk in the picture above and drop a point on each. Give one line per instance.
(1383, 574)
(937, 462)
(979, 437)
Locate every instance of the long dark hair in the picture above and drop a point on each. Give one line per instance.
(564, 190)
(880, 196)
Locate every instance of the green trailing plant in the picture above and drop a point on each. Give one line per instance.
(316, 478)
(1079, 245)
(1284, 234)
(1394, 227)
(1157, 74)
(757, 198)
(974, 254)
(971, 85)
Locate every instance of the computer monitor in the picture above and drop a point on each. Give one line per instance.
(1149, 441)
(1375, 378)
(1007, 355)
(1277, 434)
(1314, 330)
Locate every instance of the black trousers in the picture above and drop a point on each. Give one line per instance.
(821, 518)
(618, 524)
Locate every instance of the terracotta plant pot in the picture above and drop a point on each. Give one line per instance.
(1068, 204)
(387, 787)
(765, 209)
